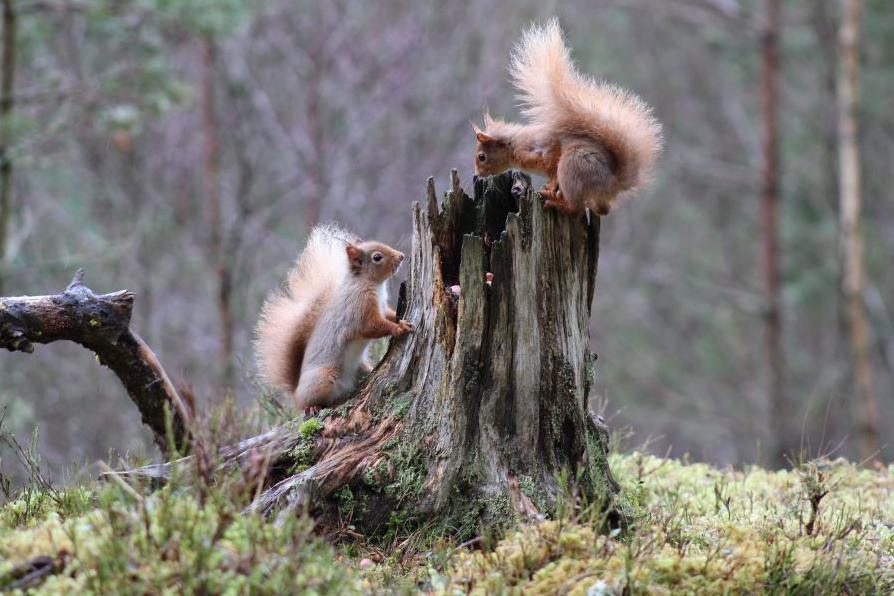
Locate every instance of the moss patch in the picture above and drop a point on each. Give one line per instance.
(410, 472)
(302, 454)
(310, 428)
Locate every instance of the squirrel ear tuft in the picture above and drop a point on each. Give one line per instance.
(353, 254)
(475, 128)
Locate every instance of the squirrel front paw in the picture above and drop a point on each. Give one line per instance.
(404, 327)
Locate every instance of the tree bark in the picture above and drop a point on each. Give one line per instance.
(219, 256)
(853, 273)
(774, 365)
(100, 323)
(7, 103)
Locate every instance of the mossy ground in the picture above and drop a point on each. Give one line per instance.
(703, 530)
(697, 530)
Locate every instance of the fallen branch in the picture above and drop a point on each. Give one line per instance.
(32, 573)
(275, 442)
(100, 323)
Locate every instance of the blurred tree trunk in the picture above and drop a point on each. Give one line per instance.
(316, 170)
(219, 257)
(7, 103)
(824, 21)
(853, 273)
(770, 224)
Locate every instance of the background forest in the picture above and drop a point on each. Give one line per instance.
(182, 149)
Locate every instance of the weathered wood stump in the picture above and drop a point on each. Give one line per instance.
(478, 413)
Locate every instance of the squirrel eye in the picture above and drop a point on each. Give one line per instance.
(377, 257)
(482, 157)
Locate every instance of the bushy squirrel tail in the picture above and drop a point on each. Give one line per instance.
(289, 315)
(555, 95)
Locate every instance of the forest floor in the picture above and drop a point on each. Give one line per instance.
(825, 527)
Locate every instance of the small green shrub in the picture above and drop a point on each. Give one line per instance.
(169, 543)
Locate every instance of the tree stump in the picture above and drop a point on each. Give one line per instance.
(481, 413)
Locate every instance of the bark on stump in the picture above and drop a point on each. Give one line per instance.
(478, 413)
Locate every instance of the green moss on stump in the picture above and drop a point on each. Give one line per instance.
(302, 454)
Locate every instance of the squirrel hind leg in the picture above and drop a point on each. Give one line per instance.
(602, 207)
(554, 198)
(586, 179)
(317, 388)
